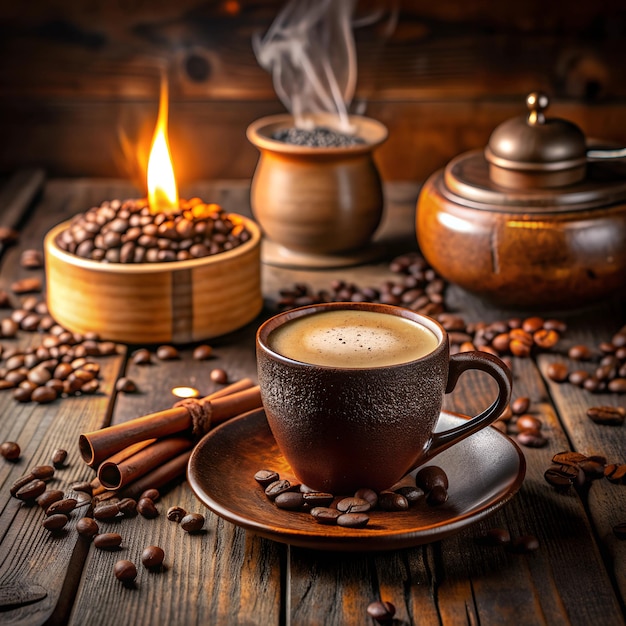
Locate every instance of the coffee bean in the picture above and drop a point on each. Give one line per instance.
(127, 507)
(58, 458)
(153, 494)
(496, 537)
(202, 353)
(524, 544)
(44, 395)
(531, 439)
(317, 498)
(278, 486)
(219, 376)
(107, 541)
(519, 348)
(568, 458)
(431, 476)
(87, 527)
(353, 505)
(152, 557)
(607, 415)
(617, 385)
(561, 477)
(325, 515)
(124, 570)
(411, 494)
(266, 477)
(520, 405)
(289, 500)
(64, 506)
(392, 501)
(353, 520)
(382, 612)
(175, 513)
(26, 285)
(437, 495)
(557, 372)
(10, 450)
(616, 473)
(55, 522)
(368, 494)
(125, 385)
(20, 482)
(48, 497)
(84, 487)
(8, 235)
(141, 357)
(31, 490)
(578, 377)
(146, 508)
(579, 353)
(528, 422)
(106, 511)
(167, 353)
(192, 522)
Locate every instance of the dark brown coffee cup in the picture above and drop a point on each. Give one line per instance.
(342, 428)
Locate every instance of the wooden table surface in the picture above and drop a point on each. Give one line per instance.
(227, 575)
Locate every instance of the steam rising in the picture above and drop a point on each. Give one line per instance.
(309, 50)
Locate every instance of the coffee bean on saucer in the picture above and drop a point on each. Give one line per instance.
(290, 500)
(266, 477)
(353, 520)
(367, 494)
(278, 486)
(412, 494)
(392, 501)
(431, 476)
(353, 505)
(437, 495)
(317, 498)
(325, 515)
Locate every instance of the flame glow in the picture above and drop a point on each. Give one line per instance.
(162, 191)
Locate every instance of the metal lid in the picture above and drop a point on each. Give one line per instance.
(533, 151)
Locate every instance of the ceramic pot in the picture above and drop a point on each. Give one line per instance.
(529, 223)
(317, 200)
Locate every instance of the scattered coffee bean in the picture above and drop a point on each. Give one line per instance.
(127, 507)
(167, 353)
(561, 477)
(496, 537)
(519, 406)
(58, 458)
(278, 486)
(568, 458)
(616, 473)
(31, 259)
(192, 522)
(10, 450)
(87, 527)
(353, 520)
(124, 570)
(431, 476)
(437, 495)
(141, 357)
(20, 482)
(31, 490)
(26, 285)
(65, 506)
(175, 514)
(153, 494)
(266, 477)
(528, 422)
(202, 353)
(125, 385)
(48, 497)
(219, 376)
(532, 439)
(84, 487)
(523, 544)
(381, 611)
(106, 511)
(146, 508)
(107, 541)
(579, 353)
(152, 557)
(557, 372)
(55, 522)
(392, 501)
(325, 515)
(8, 235)
(607, 415)
(290, 500)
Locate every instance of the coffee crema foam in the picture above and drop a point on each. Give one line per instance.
(353, 339)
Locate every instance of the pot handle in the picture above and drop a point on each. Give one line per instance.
(604, 154)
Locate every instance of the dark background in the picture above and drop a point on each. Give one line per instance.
(79, 79)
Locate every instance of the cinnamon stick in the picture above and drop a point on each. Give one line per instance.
(99, 445)
(117, 475)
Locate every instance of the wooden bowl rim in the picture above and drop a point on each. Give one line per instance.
(51, 246)
(372, 131)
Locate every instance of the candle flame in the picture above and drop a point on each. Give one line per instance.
(162, 191)
(185, 392)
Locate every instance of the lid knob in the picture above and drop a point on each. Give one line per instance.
(535, 151)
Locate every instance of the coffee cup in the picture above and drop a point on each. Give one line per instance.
(353, 391)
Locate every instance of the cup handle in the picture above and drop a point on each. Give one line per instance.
(460, 363)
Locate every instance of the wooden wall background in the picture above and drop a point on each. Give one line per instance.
(79, 79)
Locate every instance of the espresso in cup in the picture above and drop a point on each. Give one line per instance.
(353, 391)
(352, 338)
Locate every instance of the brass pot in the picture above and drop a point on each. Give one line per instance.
(535, 221)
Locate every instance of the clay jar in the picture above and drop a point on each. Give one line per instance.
(317, 200)
(343, 428)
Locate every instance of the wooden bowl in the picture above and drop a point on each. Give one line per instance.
(176, 302)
